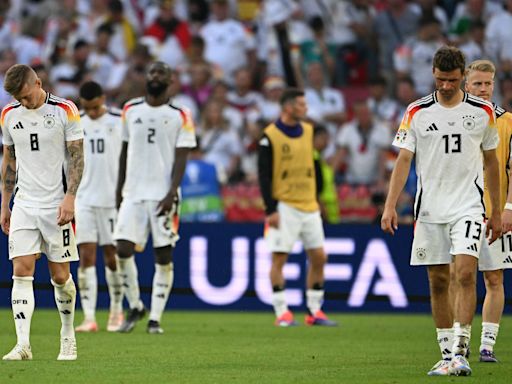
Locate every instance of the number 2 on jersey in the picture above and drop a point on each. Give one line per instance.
(151, 135)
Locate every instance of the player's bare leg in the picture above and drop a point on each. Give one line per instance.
(492, 310)
(65, 298)
(439, 283)
(115, 288)
(128, 270)
(88, 286)
(22, 300)
(317, 259)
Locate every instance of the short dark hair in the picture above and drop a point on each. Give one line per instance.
(290, 94)
(319, 129)
(448, 59)
(16, 77)
(90, 90)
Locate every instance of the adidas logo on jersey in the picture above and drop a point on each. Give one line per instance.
(432, 127)
(508, 260)
(138, 121)
(19, 126)
(473, 247)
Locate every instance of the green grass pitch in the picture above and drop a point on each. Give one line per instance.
(244, 347)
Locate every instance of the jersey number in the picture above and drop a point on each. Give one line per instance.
(97, 146)
(65, 237)
(477, 229)
(452, 143)
(34, 142)
(506, 242)
(151, 135)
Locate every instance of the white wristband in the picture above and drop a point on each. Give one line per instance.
(508, 206)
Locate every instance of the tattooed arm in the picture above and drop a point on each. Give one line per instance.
(75, 170)
(8, 182)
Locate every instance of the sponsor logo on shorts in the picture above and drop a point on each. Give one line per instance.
(421, 253)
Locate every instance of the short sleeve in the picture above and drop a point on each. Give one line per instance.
(406, 135)
(491, 138)
(187, 133)
(6, 135)
(73, 128)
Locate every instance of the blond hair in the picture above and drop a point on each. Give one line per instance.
(481, 66)
(16, 77)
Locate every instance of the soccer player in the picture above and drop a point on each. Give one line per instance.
(289, 180)
(42, 140)
(96, 206)
(447, 132)
(496, 257)
(157, 137)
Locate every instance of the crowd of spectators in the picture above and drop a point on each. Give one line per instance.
(360, 63)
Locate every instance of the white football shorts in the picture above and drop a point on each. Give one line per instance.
(496, 256)
(137, 218)
(436, 244)
(295, 225)
(35, 230)
(95, 225)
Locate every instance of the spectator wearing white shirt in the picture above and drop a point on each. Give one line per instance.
(228, 44)
(414, 57)
(326, 105)
(362, 147)
(242, 97)
(383, 107)
(497, 38)
(220, 143)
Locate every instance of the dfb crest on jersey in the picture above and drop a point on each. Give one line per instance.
(49, 121)
(468, 122)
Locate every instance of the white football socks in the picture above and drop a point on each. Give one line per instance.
(279, 303)
(489, 336)
(445, 341)
(128, 270)
(88, 288)
(65, 297)
(461, 338)
(314, 300)
(162, 285)
(115, 289)
(22, 301)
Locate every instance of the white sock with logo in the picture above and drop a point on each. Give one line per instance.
(22, 301)
(88, 288)
(65, 298)
(128, 270)
(115, 289)
(162, 285)
(445, 341)
(461, 338)
(489, 336)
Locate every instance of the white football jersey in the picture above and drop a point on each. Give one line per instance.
(153, 134)
(448, 144)
(39, 137)
(102, 146)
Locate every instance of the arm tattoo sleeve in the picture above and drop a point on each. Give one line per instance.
(9, 169)
(76, 165)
